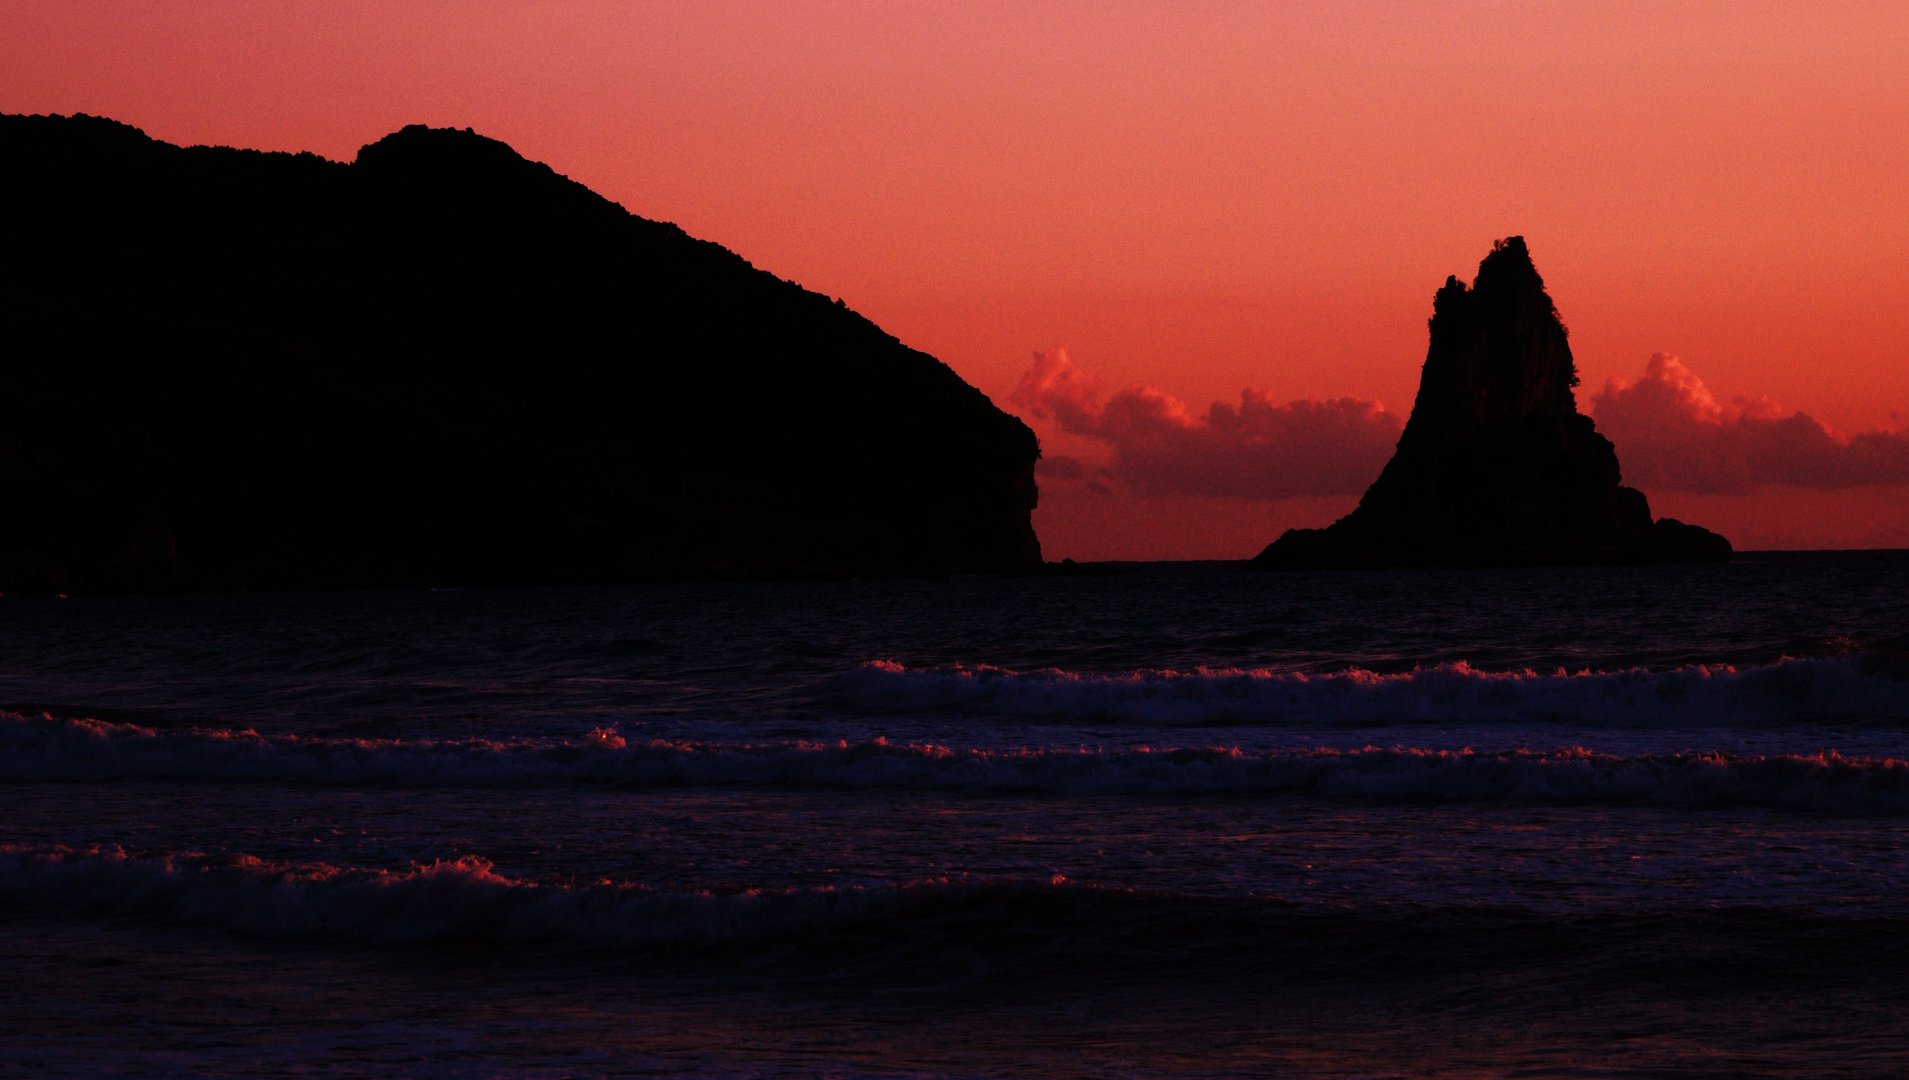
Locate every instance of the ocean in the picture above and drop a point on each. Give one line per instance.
(1173, 820)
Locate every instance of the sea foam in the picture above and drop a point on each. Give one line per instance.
(47, 749)
(1843, 689)
(462, 899)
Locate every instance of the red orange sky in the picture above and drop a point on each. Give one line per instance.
(1194, 197)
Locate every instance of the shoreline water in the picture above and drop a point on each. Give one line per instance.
(1179, 821)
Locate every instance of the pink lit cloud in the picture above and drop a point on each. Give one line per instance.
(1672, 434)
(1257, 449)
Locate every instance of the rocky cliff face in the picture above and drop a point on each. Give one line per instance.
(444, 364)
(1496, 466)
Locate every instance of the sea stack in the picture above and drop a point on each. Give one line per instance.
(1496, 466)
(444, 364)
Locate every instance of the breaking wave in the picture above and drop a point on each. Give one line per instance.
(1860, 689)
(924, 929)
(47, 749)
(464, 899)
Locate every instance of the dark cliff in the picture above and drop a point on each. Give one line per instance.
(1496, 466)
(444, 364)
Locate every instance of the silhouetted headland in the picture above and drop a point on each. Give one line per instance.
(1496, 466)
(444, 364)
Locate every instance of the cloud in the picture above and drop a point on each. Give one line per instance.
(1256, 450)
(1672, 434)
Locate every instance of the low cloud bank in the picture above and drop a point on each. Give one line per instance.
(1672, 434)
(1256, 450)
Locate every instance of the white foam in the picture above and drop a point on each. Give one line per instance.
(452, 900)
(1833, 690)
(53, 750)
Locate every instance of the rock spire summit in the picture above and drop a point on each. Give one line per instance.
(1496, 466)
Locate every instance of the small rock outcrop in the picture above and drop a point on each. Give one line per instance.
(1496, 466)
(443, 364)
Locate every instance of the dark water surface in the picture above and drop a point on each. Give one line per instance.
(1182, 820)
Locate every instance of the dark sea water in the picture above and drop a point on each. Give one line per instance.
(1181, 820)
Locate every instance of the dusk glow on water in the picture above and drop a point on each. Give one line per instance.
(597, 538)
(1177, 820)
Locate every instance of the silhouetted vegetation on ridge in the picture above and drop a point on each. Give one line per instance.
(444, 364)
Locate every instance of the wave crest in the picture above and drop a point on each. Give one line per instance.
(1827, 690)
(465, 899)
(56, 750)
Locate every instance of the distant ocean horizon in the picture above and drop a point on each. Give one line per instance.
(1177, 819)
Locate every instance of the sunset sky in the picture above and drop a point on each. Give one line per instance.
(1194, 198)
